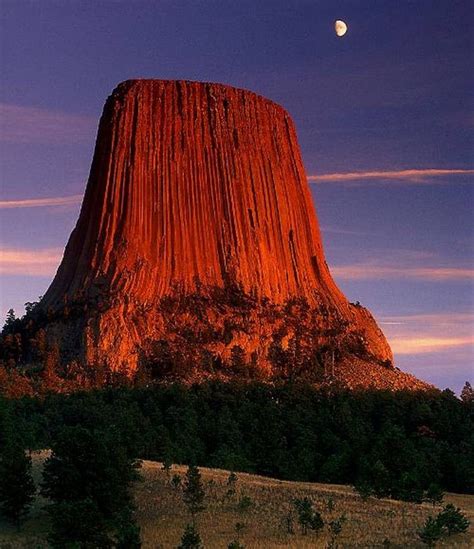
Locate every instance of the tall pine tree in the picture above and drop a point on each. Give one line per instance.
(17, 489)
(193, 493)
(89, 474)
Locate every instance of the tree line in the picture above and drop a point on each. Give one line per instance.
(387, 444)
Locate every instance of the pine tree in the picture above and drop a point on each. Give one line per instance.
(231, 483)
(452, 520)
(467, 393)
(176, 481)
(10, 322)
(193, 493)
(88, 478)
(78, 523)
(434, 494)
(166, 466)
(191, 538)
(431, 532)
(17, 489)
(128, 531)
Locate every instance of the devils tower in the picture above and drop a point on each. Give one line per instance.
(198, 239)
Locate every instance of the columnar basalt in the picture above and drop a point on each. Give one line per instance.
(197, 191)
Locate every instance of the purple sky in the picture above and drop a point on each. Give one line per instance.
(392, 95)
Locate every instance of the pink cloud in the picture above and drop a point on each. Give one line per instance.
(42, 202)
(429, 333)
(422, 345)
(20, 124)
(32, 262)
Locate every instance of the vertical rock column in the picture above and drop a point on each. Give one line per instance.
(193, 186)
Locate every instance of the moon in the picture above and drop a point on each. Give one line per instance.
(340, 27)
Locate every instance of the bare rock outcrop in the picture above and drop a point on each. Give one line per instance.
(198, 233)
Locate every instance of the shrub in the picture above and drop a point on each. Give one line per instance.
(330, 504)
(452, 520)
(244, 504)
(449, 521)
(235, 544)
(431, 532)
(166, 466)
(307, 517)
(364, 490)
(176, 481)
(335, 526)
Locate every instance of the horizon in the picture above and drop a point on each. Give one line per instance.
(382, 116)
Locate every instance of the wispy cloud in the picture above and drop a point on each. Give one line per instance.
(373, 270)
(444, 320)
(23, 124)
(29, 262)
(429, 333)
(42, 202)
(337, 230)
(410, 177)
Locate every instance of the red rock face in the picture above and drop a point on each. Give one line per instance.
(193, 187)
(195, 182)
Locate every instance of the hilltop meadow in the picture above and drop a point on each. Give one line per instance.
(263, 521)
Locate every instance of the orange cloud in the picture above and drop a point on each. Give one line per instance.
(408, 176)
(371, 271)
(42, 202)
(29, 262)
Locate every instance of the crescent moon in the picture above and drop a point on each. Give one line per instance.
(340, 27)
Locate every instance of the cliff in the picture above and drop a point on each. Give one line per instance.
(198, 232)
(195, 184)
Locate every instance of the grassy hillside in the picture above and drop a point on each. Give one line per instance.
(162, 514)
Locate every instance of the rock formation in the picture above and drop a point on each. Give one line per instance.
(198, 236)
